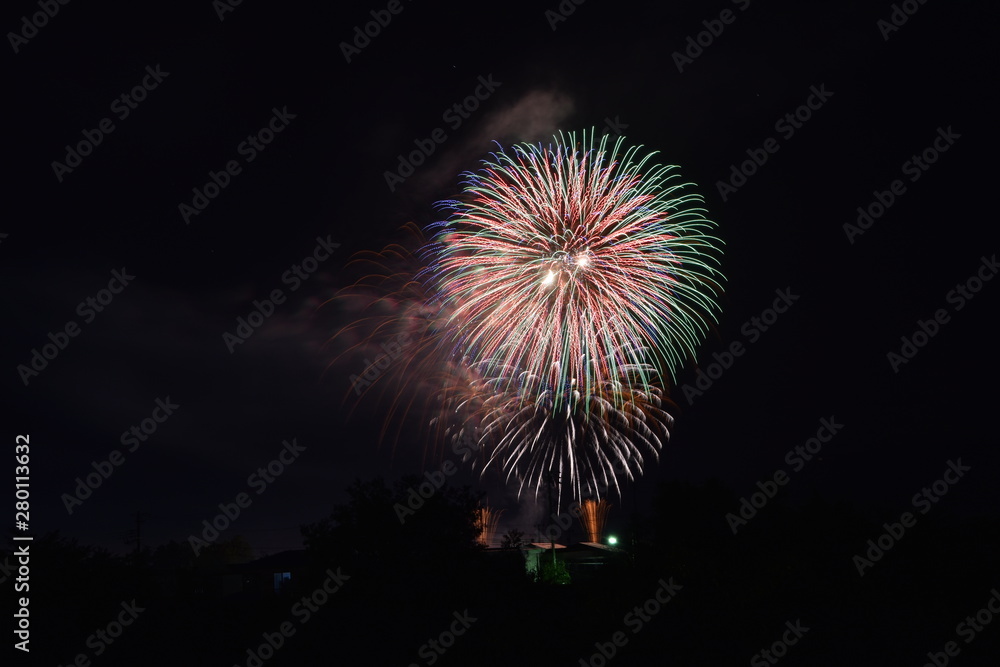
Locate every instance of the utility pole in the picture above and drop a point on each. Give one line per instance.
(552, 479)
(136, 536)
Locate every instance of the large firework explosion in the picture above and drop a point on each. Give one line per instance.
(588, 261)
(568, 281)
(575, 276)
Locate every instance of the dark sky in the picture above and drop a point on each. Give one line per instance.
(323, 176)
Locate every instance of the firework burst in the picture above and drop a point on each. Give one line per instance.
(588, 441)
(567, 282)
(486, 525)
(593, 514)
(392, 341)
(590, 262)
(575, 275)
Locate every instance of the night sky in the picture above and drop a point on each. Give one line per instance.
(879, 98)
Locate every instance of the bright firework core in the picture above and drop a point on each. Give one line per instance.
(567, 264)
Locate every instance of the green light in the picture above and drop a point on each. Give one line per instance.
(612, 540)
